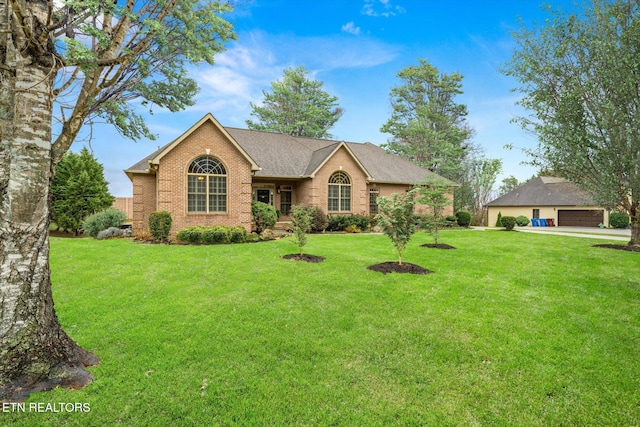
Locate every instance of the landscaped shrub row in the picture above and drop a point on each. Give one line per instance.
(341, 222)
(217, 234)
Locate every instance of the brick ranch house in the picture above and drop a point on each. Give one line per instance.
(211, 174)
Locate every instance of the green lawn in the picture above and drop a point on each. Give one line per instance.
(511, 329)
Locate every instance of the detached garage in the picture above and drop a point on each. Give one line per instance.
(549, 197)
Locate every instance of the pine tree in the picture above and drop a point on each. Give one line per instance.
(79, 189)
(296, 106)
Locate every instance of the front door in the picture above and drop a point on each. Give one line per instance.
(263, 196)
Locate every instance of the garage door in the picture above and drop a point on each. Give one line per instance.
(584, 218)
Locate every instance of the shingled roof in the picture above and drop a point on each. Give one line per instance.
(545, 191)
(279, 155)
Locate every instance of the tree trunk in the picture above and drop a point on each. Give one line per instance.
(635, 227)
(35, 353)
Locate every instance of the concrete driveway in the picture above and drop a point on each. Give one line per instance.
(589, 232)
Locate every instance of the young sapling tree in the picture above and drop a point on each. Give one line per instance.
(433, 193)
(301, 221)
(396, 219)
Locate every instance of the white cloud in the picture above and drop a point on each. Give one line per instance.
(248, 67)
(381, 8)
(351, 28)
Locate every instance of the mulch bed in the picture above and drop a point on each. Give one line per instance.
(304, 257)
(394, 267)
(437, 246)
(628, 248)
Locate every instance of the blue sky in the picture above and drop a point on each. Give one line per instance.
(356, 47)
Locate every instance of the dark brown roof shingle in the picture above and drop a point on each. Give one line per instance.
(285, 156)
(545, 191)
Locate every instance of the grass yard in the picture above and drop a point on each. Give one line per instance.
(511, 329)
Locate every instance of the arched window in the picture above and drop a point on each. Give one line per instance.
(206, 185)
(339, 192)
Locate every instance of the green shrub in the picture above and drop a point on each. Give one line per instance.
(341, 222)
(522, 221)
(213, 235)
(618, 220)
(102, 220)
(237, 234)
(160, 225)
(110, 232)
(450, 220)
(499, 220)
(352, 228)
(319, 220)
(463, 218)
(190, 235)
(264, 216)
(509, 222)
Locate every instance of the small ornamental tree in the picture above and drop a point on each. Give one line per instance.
(301, 221)
(395, 217)
(433, 193)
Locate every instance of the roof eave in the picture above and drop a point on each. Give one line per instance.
(207, 117)
(353, 156)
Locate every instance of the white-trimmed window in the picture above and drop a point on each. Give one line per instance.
(374, 193)
(339, 192)
(206, 185)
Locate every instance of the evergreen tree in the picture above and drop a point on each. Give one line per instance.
(427, 126)
(79, 189)
(296, 106)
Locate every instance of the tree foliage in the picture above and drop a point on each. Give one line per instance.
(86, 60)
(301, 217)
(264, 216)
(427, 125)
(107, 54)
(578, 74)
(396, 219)
(296, 106)
(78, 190)
(434, 194)
(509, 184)
(477, 184)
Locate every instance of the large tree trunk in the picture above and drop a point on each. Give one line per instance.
(635, 225)
(35, 353)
